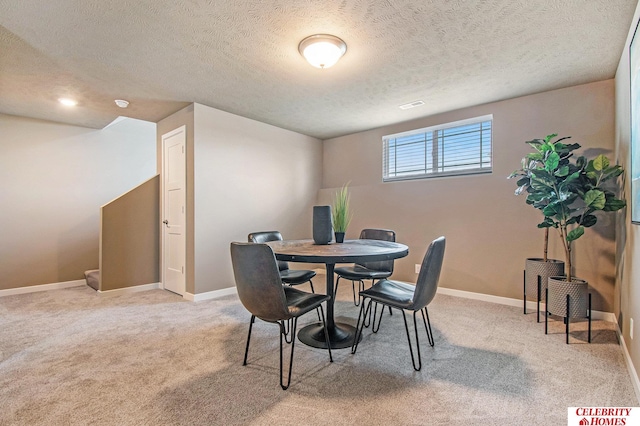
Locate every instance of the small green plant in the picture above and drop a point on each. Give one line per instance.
(340, 211)
(567, 192)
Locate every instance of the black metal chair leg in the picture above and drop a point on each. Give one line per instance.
(360, 325)
(293, 343)
(353, 289)
(427, 325)
(367, 323)
(246, 350)
(313, 291)
(287, 329)
(335, 289)
(373, 327)
(326, 333)
(415, 326)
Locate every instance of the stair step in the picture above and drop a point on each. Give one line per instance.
(93, 278)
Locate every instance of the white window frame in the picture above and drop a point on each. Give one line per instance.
(432, 129)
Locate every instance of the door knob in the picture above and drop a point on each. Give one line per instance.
(166, 222)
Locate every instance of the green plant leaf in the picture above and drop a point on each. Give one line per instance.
(589, 220)
(595, 199)
(600, 162)
(562, 171)
(614, 204)
(340, 211)
(552, 162)
(572, 147)
(575, 233)
(573, 220)
(550, 210)
(545, 224)
(523, 181)
(612, 172)
(535, 156)
(573, 176)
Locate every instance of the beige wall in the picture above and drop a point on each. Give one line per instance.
(627, 295)
(248, 176)
(54, 179)
(130, 238)
(490, 232)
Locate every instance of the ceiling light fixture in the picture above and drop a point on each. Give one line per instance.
(322, 50)
(122, 103)
(68, 102)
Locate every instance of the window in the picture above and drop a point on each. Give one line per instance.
(459, 148)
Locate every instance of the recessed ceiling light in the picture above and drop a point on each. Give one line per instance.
(68, 102)
(122, 103)
(411, 105)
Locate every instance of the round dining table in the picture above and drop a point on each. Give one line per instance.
(341, 334)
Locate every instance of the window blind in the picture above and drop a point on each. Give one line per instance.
(463, 147)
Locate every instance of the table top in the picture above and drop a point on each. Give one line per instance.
(348, 252)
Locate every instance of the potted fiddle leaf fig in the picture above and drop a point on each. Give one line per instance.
(538, 270)
(341, 213)
(569, 193)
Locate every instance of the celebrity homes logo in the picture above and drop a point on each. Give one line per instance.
(603, 416)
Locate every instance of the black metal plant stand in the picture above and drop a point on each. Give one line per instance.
(567, 312)
(524, 293)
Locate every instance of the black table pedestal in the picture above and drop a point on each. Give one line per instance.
(341, 335)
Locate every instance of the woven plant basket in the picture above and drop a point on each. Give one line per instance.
(537, 266)
(577, 291)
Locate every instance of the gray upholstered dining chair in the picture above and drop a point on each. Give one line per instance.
(263, 295)
(367, 270)
(403, 296)
(288, 276)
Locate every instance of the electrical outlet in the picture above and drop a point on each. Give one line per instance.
(631, 328)
(417, 268)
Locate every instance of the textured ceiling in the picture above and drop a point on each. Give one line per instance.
(241, 56)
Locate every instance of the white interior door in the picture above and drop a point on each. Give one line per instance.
(174, 200)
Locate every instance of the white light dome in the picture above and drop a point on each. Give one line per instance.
(322, 50)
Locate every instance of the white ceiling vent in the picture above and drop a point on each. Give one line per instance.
(411, 105)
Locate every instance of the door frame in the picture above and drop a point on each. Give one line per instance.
(163, 138)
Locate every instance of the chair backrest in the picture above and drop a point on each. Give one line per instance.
(429, 275)
(258, 281)
(383, 235)
(264, 237)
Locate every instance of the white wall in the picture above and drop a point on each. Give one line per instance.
(248, 176)
(490, 232)
(54, 179)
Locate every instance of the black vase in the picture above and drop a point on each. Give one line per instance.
(339, 237)
(322, 226)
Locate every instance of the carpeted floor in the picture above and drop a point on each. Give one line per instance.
(72, 357)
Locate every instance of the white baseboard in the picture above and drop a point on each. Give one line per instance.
(42, 287)
(133, 289)
(210, 294)
(633, 374)
(597, 315)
